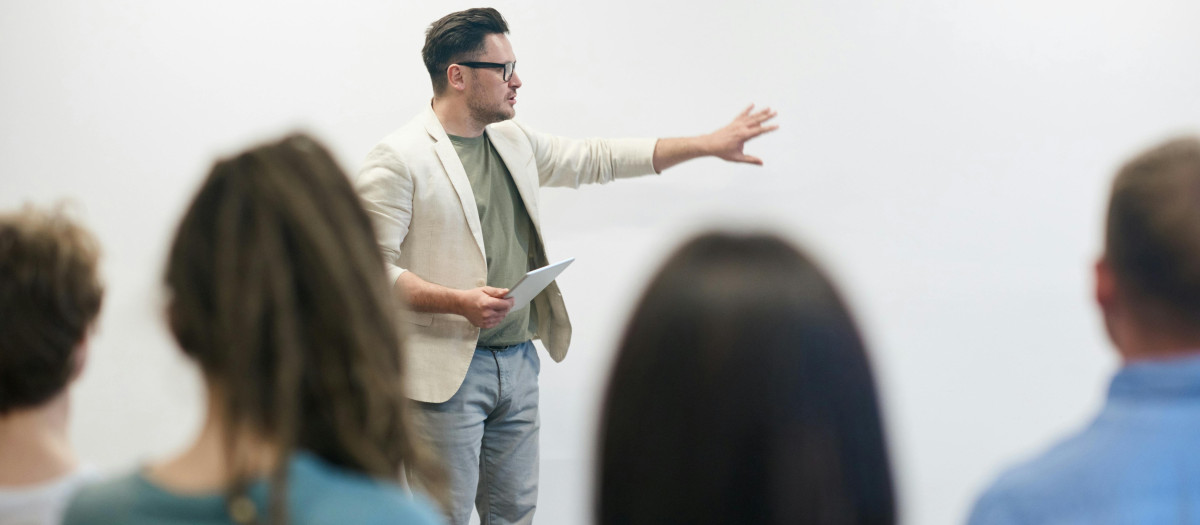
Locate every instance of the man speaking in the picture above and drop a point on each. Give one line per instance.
(454, 198)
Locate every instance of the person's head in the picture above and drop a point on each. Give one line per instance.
(1148, 280)
(742, 393)
(278, 292)
(464, 53)
(50, 294)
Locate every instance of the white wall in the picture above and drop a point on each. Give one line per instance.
(947, 160)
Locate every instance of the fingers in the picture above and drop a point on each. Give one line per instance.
(752, 124)
(757, 119)
(499, 306)
(761, 115)
(764, 115)
(749, 160)
(495, 312)
(494, 292)
(754, 132)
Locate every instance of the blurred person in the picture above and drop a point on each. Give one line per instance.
(274, 291)
(742, 393)
(50, 295)
(454, 196)
(1137, 461)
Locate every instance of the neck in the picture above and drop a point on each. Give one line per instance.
(1139, 355)
(1137, 342)
(456, 118)
(203, 467)
(34, 447)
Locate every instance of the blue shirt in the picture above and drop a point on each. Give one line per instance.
(319, 493)
(1137, 463)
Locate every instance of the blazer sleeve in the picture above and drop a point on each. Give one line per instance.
(385, 186)
(574, 162)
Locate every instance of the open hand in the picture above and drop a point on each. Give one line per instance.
(728, 141)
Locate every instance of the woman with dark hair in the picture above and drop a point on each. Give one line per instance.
(742, 394)
(277, 292)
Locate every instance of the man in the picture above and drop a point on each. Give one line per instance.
(454, 197)
(1138, 461)
(49, 296)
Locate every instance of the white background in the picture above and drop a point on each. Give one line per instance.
(947, 161)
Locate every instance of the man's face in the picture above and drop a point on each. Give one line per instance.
(489, 98)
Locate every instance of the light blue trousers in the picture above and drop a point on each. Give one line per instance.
(487, 435)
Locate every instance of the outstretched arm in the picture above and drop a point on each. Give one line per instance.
(725, 143)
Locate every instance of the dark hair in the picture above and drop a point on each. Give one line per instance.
(742, 394)
(279, 294)
(458, 36)
(50, 294)
(1153, 234)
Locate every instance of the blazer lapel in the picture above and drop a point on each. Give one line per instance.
(524, 174)
(458, 176)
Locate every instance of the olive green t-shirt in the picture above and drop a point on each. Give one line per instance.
(509, 240)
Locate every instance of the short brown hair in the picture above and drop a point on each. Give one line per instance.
(1152, 241)
(50, 293)
(457, 36)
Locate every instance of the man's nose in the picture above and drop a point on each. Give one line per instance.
(514, 81)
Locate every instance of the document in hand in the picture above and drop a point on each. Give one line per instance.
(534, 282)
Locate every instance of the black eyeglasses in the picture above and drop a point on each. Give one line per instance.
(508, 67)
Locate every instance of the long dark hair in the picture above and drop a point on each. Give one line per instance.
(278, 291)
(742, 394)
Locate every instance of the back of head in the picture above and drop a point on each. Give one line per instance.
(1152, 241)
(50, 294)
(458, 37)
(278, 292)
(742, 394)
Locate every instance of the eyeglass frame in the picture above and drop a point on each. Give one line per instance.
(507, 68)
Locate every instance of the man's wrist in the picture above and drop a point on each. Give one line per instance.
(458, 302)
(706, 145)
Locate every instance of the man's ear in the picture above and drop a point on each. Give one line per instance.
(454, 76)
(1106, 285)
(80, 358)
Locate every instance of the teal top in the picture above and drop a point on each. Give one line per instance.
(508, 235)
(319, 493)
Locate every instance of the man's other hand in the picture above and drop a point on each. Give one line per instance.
(485, 306)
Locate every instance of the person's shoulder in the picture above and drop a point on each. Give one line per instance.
(328, 494)
(1059, 476)
(103, 501)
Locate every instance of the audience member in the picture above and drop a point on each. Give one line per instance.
(276, 292)
(1137, 462)
(50, 294)
(742, 393)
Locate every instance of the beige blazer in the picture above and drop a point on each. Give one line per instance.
(419, 198)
